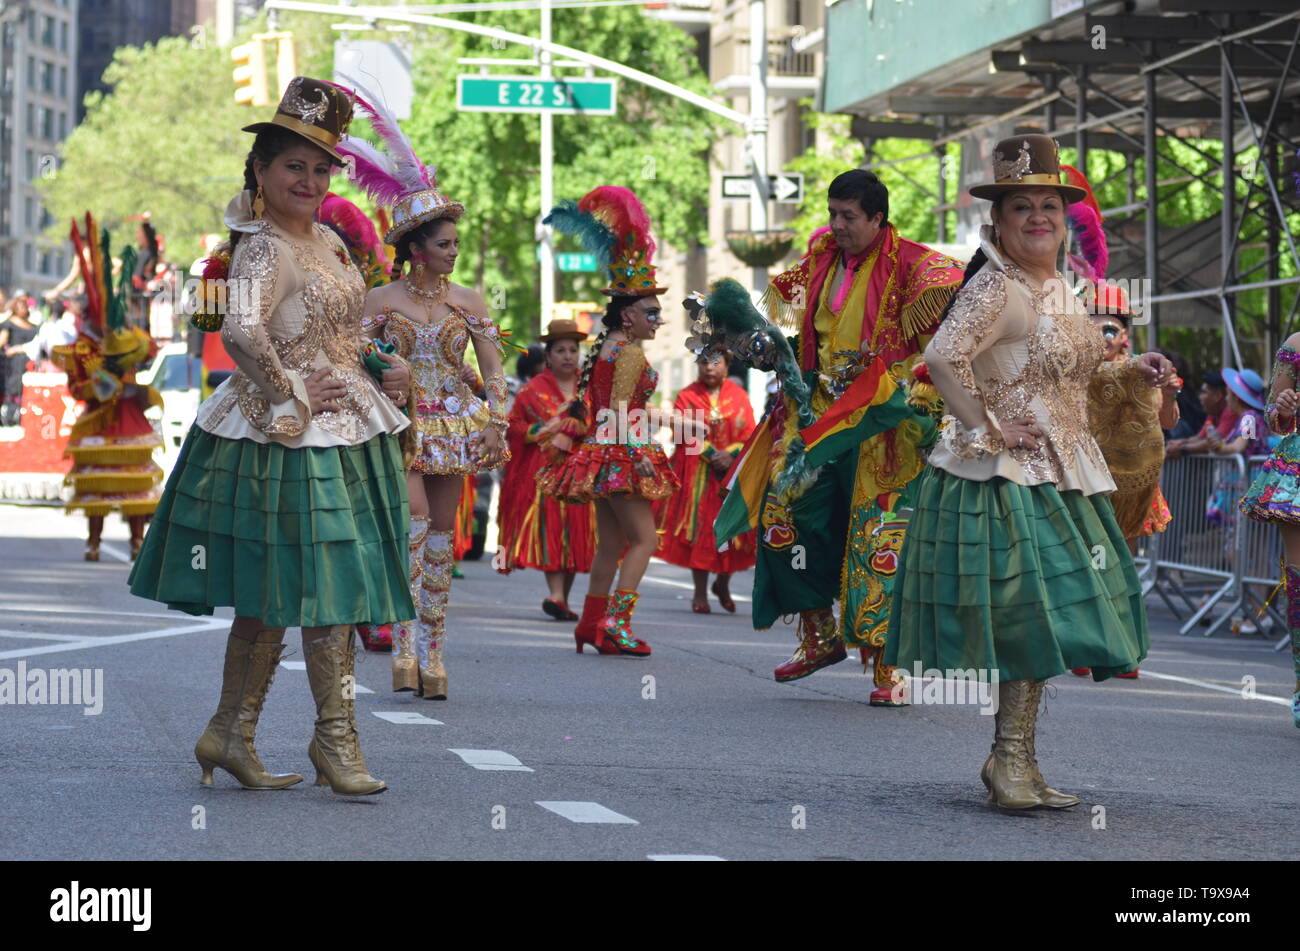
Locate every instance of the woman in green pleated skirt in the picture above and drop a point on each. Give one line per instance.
(288, 501)
(1014, 567)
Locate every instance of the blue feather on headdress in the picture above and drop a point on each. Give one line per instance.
(595, 236)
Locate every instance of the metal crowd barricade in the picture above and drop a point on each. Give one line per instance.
(1262, 563)
(1196, 565)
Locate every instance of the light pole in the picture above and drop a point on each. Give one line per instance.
(757, 127)
(546, 246)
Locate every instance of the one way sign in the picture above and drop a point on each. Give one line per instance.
(783, 187)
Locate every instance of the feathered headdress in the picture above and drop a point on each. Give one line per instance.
(612, 225)
(358, 232)
(398, 179)
(1085, 221)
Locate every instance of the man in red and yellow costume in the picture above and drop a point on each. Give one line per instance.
(862, 293)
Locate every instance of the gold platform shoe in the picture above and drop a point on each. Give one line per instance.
(406, 676)
(228, 741)
(335, 750)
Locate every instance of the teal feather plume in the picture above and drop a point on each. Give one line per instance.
(596, 237)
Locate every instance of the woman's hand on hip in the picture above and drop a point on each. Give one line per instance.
(324, 391)
(1021, 433)
(396, 379)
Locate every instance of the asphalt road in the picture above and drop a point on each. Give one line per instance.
(709, 759)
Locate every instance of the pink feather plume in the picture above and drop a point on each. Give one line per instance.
(1090, 239)
(384, 177)
(358, 230)
(622, 212)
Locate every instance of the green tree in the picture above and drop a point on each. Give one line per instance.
(911, 184)
(166, 139)
(657, 145)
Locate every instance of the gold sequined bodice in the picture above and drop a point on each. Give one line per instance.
(305, 315)
(1008, 351)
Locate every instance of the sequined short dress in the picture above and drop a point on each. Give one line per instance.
(448, 416)
(1274, 495)
(619, 434)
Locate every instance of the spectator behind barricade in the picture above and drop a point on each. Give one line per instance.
(1191, 415)
(1245, 399)
(1219, 416)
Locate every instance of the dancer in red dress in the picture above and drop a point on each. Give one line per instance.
(614, 462)
(686, 521)
(538, 531)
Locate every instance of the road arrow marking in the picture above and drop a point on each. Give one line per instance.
(586, 812)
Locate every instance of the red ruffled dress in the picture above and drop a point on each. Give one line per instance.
(686, 520)
(619, 433)
(538, 531)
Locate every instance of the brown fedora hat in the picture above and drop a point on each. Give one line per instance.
(320, 112)
(1022, 160)
(563, 328)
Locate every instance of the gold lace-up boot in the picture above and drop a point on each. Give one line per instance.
(228, 740)
(1010, 770)
(335, 750)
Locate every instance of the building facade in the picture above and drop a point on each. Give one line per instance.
(38, 108)
(794, 67)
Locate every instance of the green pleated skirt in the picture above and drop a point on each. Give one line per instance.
(295, 537)
(1026, 580)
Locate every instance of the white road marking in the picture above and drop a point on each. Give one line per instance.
(587, 812)
(114, 552)
(28, 635)
(293, 664)
(688, 586)
(686, 858)
(360, 688)
(90, 642)
(1235, 691)
(407, 716)
(491, 760)
(42, 609)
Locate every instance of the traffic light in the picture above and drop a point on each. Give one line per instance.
(286, 58)
(250, 75)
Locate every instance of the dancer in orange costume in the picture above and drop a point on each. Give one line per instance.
(686, 521)
(538, 531)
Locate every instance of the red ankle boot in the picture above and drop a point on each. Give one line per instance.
(589, 631)
(617, 624)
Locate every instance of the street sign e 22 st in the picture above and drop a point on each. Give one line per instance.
(564, 96)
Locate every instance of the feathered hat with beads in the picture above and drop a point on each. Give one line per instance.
(395, 178)
(612, 224)
(1093, 255)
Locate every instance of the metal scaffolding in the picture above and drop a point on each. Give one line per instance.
(1194, 71)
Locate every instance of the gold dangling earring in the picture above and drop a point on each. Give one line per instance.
(259, 203)
(417, 269)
